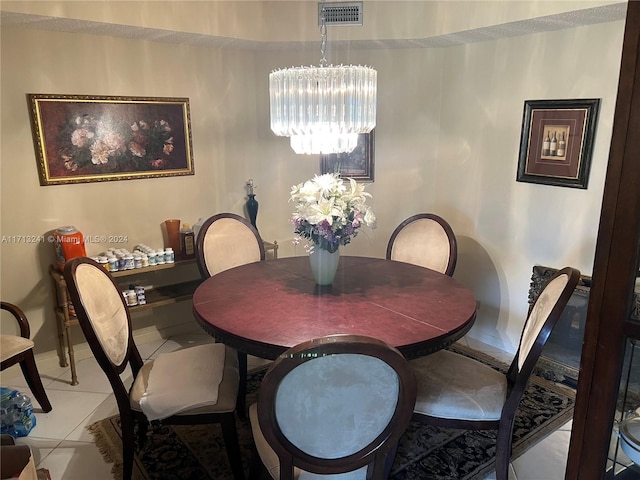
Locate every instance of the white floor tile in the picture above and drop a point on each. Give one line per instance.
(13, 375)
(76, 461)
(147, 349)
(545, 461)
(70, 408)
(40, 447)
(106, 409)
(91, 378)
(182, 341)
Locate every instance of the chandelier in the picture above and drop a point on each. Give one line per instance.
(323, 109)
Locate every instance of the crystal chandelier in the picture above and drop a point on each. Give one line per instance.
(323, 109)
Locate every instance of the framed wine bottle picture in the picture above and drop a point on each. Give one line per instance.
(358, 164)
(556, 142)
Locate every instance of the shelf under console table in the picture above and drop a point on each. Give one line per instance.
(155, 297)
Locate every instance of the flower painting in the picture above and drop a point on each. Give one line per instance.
(86, 139)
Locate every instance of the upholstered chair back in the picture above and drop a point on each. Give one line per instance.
(225, 241)
(336, 405)
(457, 391)
(426, 240)
(106, 310)
(328, 393)
(541, 312)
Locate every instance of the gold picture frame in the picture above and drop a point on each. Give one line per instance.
(80, 138)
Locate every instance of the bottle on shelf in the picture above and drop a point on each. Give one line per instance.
(562, 145)
(187, 242)
(553, 146)
(546, 145)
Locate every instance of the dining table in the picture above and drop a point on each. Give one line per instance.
(264, 308)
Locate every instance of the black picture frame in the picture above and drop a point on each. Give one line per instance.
(358, 164)
(548, 125)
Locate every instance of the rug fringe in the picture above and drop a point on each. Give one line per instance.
(107, 448)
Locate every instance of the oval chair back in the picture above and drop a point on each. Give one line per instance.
(426, 240)
(334, 405)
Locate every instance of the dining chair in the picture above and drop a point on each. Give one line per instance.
(225, 241)
(456, 391)
(19, 349)
(427, 240)
(334, 406)
(196, 385)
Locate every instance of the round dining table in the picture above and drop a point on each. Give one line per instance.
(267, 307)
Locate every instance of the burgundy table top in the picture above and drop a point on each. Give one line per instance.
(264, 308)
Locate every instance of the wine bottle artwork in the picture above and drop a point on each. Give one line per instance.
(546, 145)
(553, 146)
(562, 145)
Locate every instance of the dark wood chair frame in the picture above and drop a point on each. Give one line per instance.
(379, 453)
(517, 383)
(128, 417)
(453, 243)
(26, 359)
(204, 273)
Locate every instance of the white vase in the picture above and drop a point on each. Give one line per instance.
(324, 265)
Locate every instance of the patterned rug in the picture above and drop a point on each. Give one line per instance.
(425, 452)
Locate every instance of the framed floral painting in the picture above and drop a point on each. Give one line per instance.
(358, 164)
(95, 139)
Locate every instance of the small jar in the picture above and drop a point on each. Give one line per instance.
(151, 256)
(169, 256)
(129, 262)
(160, 257)
(137, 260)
(132, 298)
(113, 263)
(122, 263)
(144, 260)
(140, 295)
(104, 262)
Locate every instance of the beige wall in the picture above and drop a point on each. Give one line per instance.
(505, 227)
(446, 141)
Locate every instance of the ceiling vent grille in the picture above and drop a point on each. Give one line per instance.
(340, 13)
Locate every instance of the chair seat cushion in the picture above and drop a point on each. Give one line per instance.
(12, 345)
(227, 388)
(453, 386)
(270, 458)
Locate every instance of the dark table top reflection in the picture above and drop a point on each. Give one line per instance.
(264, 308)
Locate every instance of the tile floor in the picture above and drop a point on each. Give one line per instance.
(61, 443)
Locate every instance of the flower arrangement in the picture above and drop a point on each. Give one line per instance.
(329, 212)
(106, 145)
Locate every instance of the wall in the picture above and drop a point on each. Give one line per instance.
(446, 141)
(505, 227)
(232, 142)
(49, 62)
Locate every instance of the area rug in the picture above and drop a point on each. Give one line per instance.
(425, 452)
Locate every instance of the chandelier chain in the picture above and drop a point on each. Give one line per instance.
(323, 36)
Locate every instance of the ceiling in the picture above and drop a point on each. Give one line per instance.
(271, 35)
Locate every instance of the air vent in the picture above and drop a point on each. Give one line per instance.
(340, 13)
